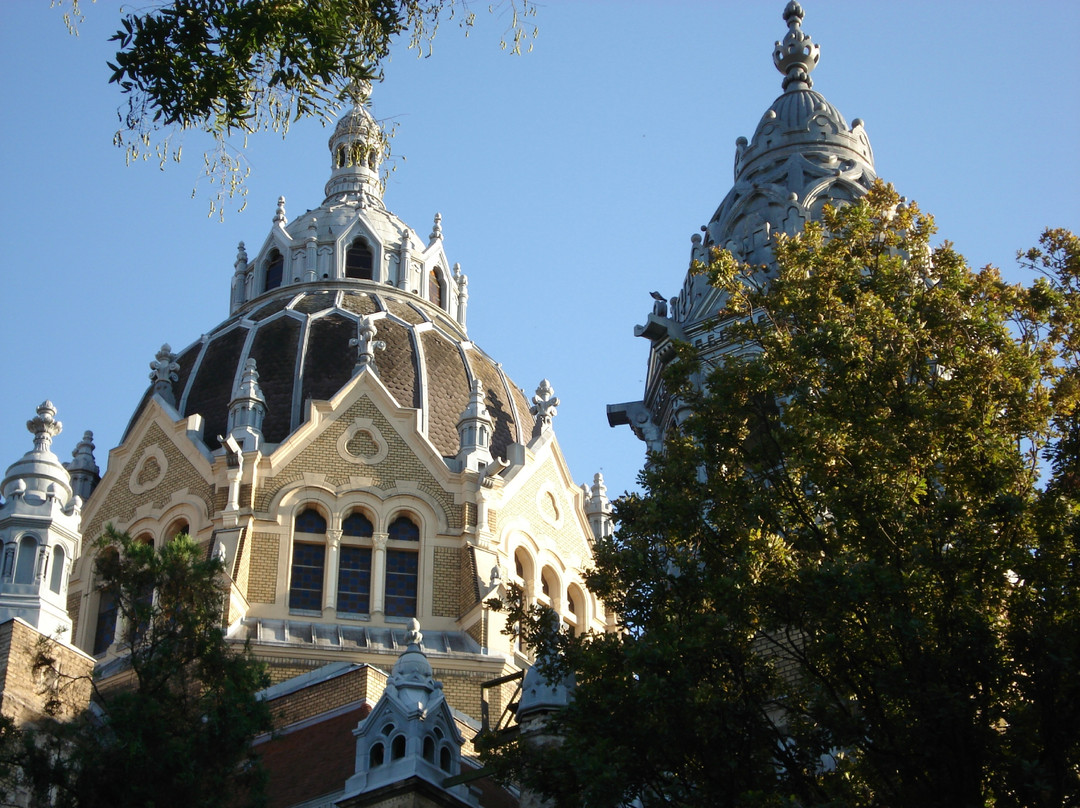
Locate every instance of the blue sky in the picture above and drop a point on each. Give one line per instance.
(570, 180)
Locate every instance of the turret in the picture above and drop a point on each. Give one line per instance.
(39, 533)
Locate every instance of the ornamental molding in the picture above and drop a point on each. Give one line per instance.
(149, 471)
(362, 443)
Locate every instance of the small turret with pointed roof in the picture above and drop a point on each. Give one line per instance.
(39, 532)
(410, 736)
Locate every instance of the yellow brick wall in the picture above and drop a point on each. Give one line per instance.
(467, 593)
(262, 575)
(120, 503)
(322, 457)
(446, 575)
(362, 683)
(24, 691)
(569, 536)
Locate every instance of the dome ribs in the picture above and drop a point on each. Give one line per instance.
(274, 351)
(447, 391)
(211, 389)
(403, 311)
(328, 360)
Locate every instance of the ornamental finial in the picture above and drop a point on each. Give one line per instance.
(357, 91)
(796, 56)
(44, 427)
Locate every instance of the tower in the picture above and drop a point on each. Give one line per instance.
(802, 156)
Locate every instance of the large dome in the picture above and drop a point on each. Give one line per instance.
(299, 338)
(347, 271)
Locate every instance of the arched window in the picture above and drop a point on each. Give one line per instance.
(429, 749)
(341, 157)
(445, 760)
(107, 610)
(26, 560)
(275, 268)
(397, 748)
(359, 260)
(401, 568)
(176, 528)
(434, 287)
(354, 565)
(376, 756)
(308, 561)
(56, 580)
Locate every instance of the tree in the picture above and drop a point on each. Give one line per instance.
(227, 67)
(852, 577)
(178, 730)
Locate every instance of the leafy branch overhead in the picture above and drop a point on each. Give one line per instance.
(229, 67)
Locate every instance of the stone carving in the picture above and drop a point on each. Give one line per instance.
(163, 372)
(44, 427)
(279, 214)
(436, 230)
(796, 57)
(544, 407)
(366, 345)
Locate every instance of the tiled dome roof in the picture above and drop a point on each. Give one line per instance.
(299, 337)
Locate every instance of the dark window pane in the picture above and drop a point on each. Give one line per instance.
(401, 566)
(354, 580)
(359, 261)
(356, 524)
(275, 266)
(404, 529)
(310, 521)
(106, 622)
(305, 590)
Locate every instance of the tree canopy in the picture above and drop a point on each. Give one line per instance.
(852, 575)
(175, 731)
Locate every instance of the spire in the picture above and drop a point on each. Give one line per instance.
(83, 468)
(474, 431)
(598, 507)
(247, 409)
(796, 57)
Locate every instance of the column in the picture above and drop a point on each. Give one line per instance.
(378, 572)
(333, 551)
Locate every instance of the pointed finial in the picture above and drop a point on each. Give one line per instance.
(414, 637)
(796, 57)
(83, 454)
(44, 427)
(163, 372)
(366, 344)
(544, 407)
(241, 254)
(357, 91)
(436, 230)
(279, 214)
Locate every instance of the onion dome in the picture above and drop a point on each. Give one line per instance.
(342, 289)
(800, 120)
(39, 470)
(803, 155)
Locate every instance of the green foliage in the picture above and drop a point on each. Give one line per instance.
(240, 66)
(177, 731)
(846, 582)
